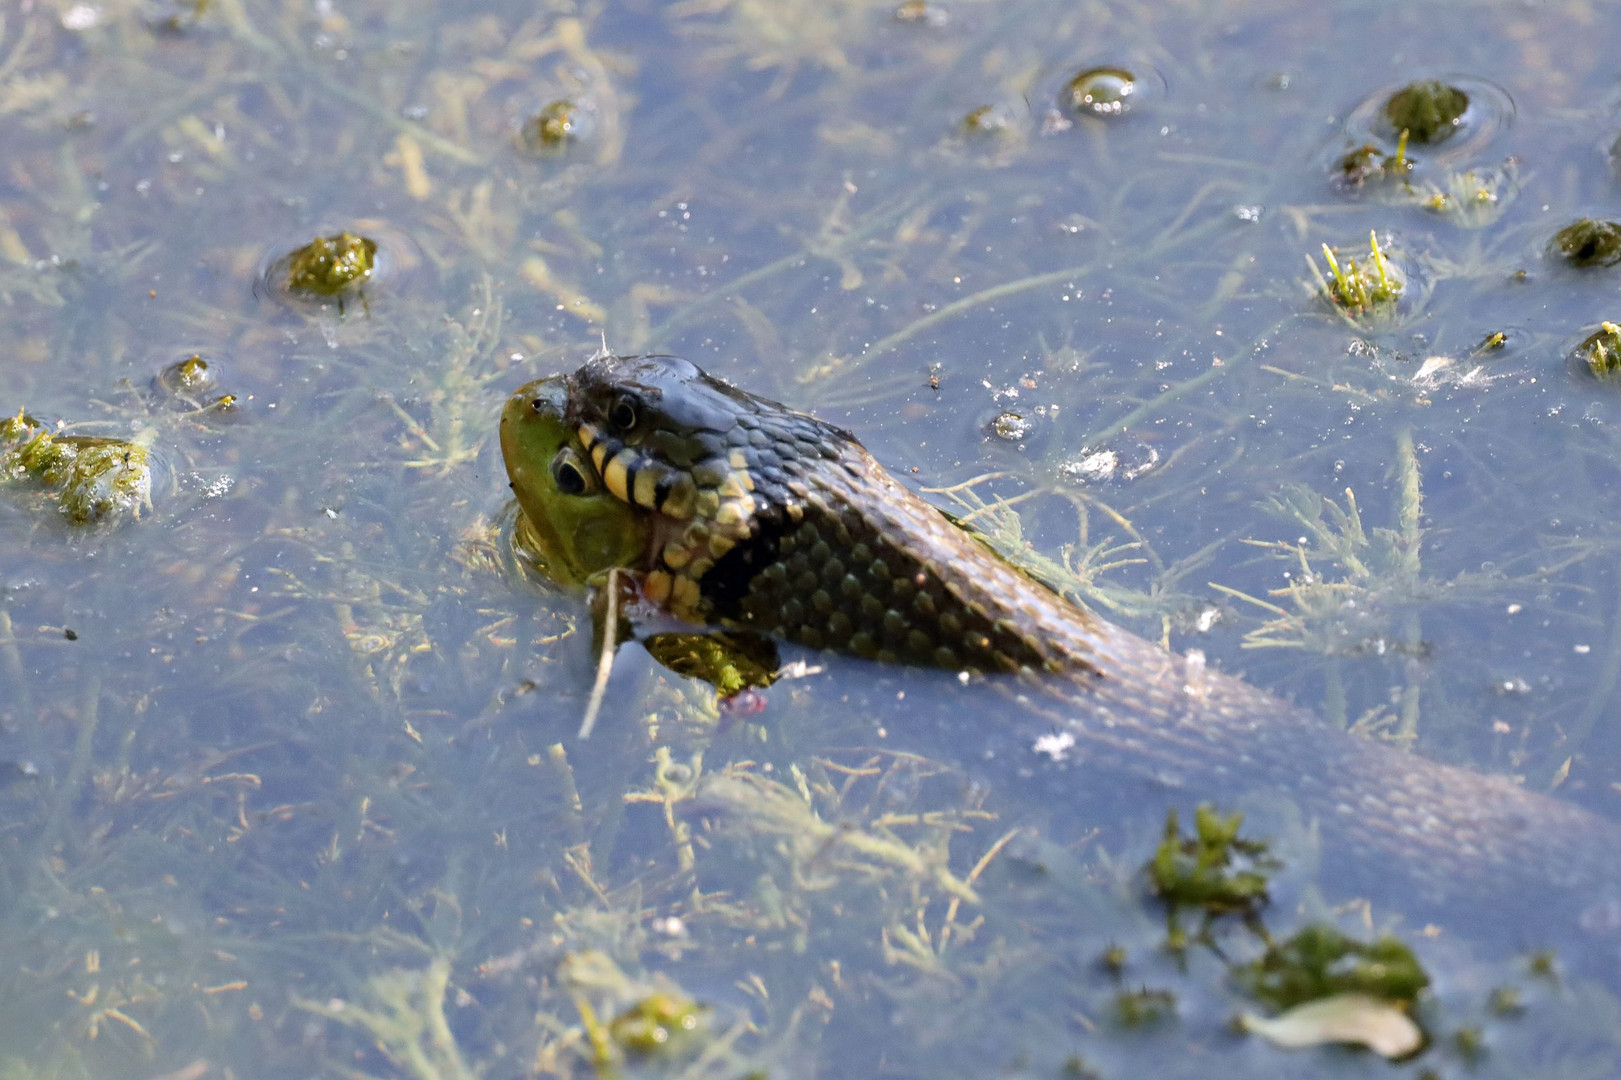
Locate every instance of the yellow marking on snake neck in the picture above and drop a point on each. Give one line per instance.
(647, 487)
(599, 454)
(616, 474)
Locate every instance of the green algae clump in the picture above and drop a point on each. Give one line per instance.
(553, 127)
(1429, 110)
(1104, 92)
(1320, 962)
(1214, 871)
(331, 265)
(93, 479)
(1588, 242)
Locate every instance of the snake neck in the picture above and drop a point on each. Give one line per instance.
(838, 555)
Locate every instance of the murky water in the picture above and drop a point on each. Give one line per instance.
(288, 781)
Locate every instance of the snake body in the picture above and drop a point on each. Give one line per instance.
(770, 520)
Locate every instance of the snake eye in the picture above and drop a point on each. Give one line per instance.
(622, 414)
(570, 475)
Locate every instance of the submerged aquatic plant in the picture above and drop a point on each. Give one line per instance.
(403, 1011)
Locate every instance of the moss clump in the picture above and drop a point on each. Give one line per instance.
(553, 127)
(1103, 92)
(658, 1024)
(1428, 111)
(1600, 352)
(1588, 242)
(93, 479)
(331, 265)
(1213, 871)
(1321, 962)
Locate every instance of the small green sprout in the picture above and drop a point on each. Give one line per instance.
(1368, 162)
(189, 376)
(1320, 962)
(1586, 243)
(1076, 1068)
(331, 265)
(921, 11)
(1429, 110)
(1470, 1043)
(1506, 1001)
(1543, 964)
(660, 1023)
(553, 127)
(1139, 1008)
(987, 120)
(1360, 291)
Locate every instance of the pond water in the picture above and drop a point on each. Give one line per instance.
(289, 781)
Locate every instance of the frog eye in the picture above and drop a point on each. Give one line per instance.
(623, 414)
(571, 475)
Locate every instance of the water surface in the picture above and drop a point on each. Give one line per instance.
(290, 779)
